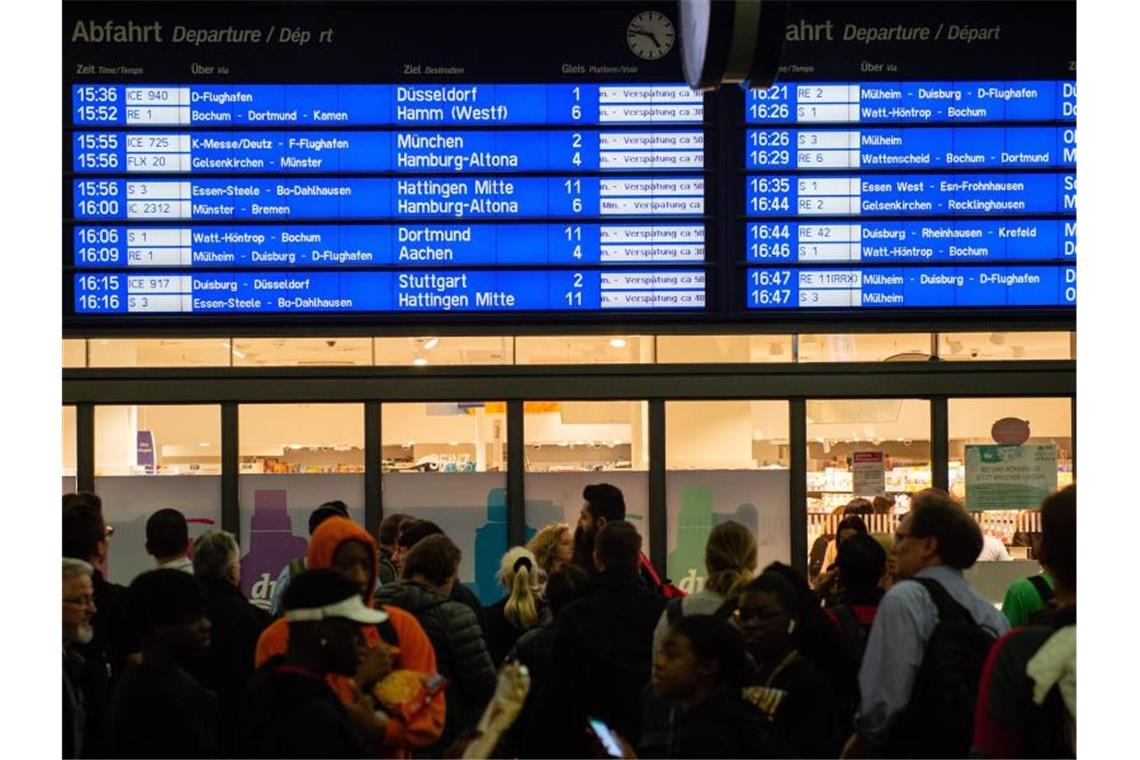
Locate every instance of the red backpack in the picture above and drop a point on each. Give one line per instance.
(663, 587)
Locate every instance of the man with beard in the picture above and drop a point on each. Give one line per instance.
(605, 503)
(158, 709)
(78, 609)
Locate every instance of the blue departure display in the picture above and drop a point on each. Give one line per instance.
(911, 194)
(912, 102)
(912, 148)
(433, 198)
(912, 287)
(347, 292)
(571, 244)
(378, 198)
(898, 242)
(270, 105)
(405, 152)
(930, 195)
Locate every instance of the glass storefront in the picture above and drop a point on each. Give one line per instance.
(446, 462)
(725, 460)
(153, 457)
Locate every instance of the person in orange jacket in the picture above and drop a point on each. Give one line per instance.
(340, 544)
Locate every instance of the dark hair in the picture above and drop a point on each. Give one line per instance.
(771, 582)
(715, 639)
(435, 557)
(390, 526)
(862, 562)
(336, 508)
(166, 533)
(164, 597)
(858, 506)
(565, 584)
(318, 588)
(618, 544)
(89, 498)
(851, 522)
(959, 537)
(816, 637)
(605, 501)
(416, 532)
(83, 526)
(881, 505)
(1059, 536)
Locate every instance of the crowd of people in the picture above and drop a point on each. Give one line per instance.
(373, 647)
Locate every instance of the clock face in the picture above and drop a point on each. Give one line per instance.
(650, 35)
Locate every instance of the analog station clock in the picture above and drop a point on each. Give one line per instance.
(650, 35)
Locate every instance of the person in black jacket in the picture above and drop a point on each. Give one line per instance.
(790, 687)
(290, 709)
(430, 570)
(235, 625)
(531, 732)
(703, 665)
(411, 532)
(522, 609)
(158, 709)
(85, 537)
(603, 643)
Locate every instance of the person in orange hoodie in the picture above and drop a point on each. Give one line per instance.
(340, 544)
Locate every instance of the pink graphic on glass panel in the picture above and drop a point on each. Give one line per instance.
(272, 545)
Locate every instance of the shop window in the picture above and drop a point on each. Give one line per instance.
(724, 349)
(302, 352)
(69, 459)
(572, 444)
(865, 347)
(446, 462)
(725, 460)
(158, 352)
(74, 354)
(149, 458)
(443, 351)
(1006, 346)
(1006, 455)
(878, 449)
(293, 457)
(584, 349)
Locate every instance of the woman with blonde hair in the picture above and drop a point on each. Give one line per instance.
(553, 547)
(730, 558)
(521, 609)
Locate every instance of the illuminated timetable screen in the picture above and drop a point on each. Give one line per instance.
(202, 199)
(886, 195)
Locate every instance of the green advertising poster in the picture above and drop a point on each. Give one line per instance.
(1009, 476)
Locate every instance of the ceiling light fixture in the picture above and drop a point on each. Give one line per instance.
(617, 342)
(431, 343)
(420, 361)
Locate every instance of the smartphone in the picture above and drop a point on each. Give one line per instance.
(606, 736)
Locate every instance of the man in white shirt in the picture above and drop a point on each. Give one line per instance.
(993, 550)
(168, 541)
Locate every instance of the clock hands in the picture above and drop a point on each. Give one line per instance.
(643, 33)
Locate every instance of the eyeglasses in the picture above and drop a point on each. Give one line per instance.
(743, 614)
(85, 600)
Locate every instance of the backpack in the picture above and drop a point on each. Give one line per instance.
(939, 719)
(1046, 593)
(1045, 732)
(663, 587)
(855, 631)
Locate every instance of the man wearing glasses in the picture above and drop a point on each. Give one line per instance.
(934, 543)
(78, 610)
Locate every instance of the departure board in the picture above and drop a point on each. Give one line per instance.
(910, 195)
(629, 153)
(407, 165)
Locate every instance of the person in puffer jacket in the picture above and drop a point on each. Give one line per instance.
(340, 544)
(431, 568)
